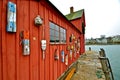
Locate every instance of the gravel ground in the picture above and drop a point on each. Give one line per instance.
(89, 67)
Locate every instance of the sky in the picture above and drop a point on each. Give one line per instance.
(102, 16)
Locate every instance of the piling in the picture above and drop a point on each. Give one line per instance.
(89, 48)
(102, 52)
(106, 67)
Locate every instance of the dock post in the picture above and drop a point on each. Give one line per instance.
(89, 48)
(77, 66)
(106, 67)
(102, 53)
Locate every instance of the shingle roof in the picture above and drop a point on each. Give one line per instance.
(75, 15)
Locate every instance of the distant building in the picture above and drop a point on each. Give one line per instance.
(109, 40)
(87, 41)
(98, 41)
(104, 41)
(102, 36)
(101, 41)
(116, 39)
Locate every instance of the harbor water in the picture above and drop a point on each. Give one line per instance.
(113, 53)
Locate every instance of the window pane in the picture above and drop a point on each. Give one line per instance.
(64, 31)
(52, 25)
(64, 37)
(52, 39)
(61, 30)
(60, 40)
(64, 41)
(57, 39)
(57, 28)
(52, 32)
(56, 33)
(61, 35)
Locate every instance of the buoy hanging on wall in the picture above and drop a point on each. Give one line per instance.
(38, 20)
(56, 54)
(25, 42)
(71, 54)
(62, 55)
(66, 59)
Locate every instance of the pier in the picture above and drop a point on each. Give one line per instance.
(89, 66)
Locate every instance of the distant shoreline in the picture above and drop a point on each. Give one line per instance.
(104, 44)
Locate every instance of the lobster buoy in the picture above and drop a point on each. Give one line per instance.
(62, 55)
(56, 54)
(66, 59)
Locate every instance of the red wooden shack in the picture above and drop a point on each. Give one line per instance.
(37, 42)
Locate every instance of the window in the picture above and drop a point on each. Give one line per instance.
(57, 33)
(62, 35)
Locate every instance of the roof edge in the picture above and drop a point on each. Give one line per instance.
(62, 14)
(74, 15)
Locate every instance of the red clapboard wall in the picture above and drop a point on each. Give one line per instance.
(14, 65)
